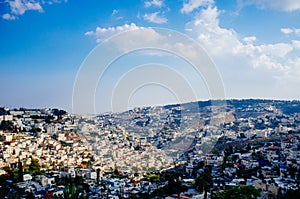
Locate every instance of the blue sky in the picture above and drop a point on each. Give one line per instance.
(255, 45)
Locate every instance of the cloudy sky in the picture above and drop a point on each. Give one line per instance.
(254, 44)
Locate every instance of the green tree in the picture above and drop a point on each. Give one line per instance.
(154, 177)
(292, 194)
(35, 167)
(204, 181)
(174, 185)
(30, 196)
(7, 126)
(72, 191)
(244, 192)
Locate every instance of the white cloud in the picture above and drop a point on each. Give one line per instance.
(103, 33)
(114, 12)
(286, 30)
(156, 3)
(155, 18)
(264, 60)
(7, 16)
(221, 40)
(138, 36)
(295, 31)
(249, 40)
(190, 5)
(146, 36)
(34, 6)
(241, 60)
(296, 44)
(19, 7)
(294, 71)
(282, 5)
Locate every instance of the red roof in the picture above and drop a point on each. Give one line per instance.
(273, 148)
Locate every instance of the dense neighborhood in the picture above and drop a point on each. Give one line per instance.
(200, 149)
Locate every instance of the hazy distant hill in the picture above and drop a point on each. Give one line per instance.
(176, 125)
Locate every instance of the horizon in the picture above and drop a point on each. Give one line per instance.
(154, 106)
